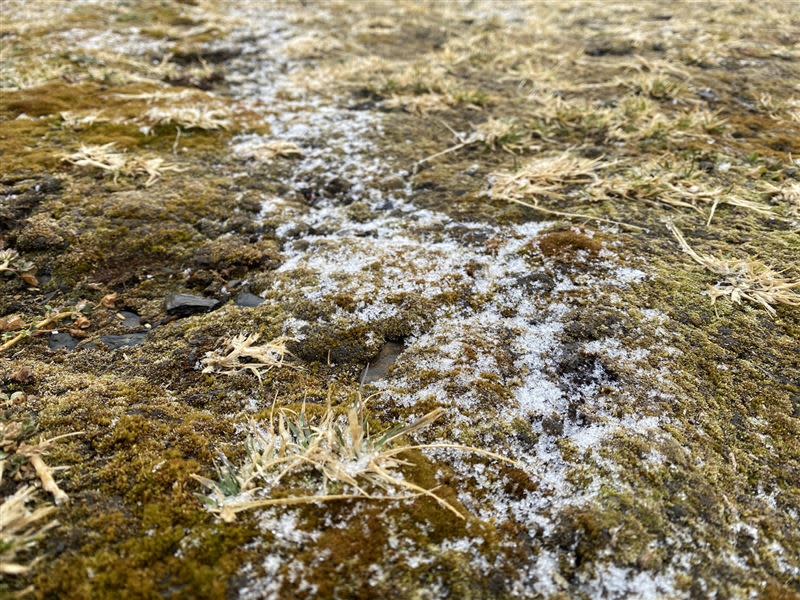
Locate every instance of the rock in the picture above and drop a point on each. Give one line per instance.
(248, 300)
(708, 95)
(62, 341)
(184, 305)
(379, 367)
(128, 340)
(130, 320)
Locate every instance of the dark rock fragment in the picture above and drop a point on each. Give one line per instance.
(130, 320)
(379, 367)
(128, 340)
(248, 300)
(62, 341)
(184, 305)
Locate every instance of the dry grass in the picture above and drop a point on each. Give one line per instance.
(267, 150)
(744, 279)
(190, 117)
(23, 520)
(550, 178)
(241, 353)
(116, 163)
(312, 45)
(420, 104)
(494, 134)
(546, 177)
(341, 457)
(78, 121)
(674, 185)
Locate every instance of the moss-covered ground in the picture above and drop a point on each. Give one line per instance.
(657, 435)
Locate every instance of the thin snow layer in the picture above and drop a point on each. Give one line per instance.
(510, 334)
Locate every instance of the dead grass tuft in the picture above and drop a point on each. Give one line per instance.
(545, 177)
(107, 159)
(190, 117)
(21, 528)
(678, 186)
(550, 178)
(341, 456)
(23, 520)
(241, 353)
(744, 279)
(267, 150)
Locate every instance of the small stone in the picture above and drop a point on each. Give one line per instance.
(379, 368)
(248, 300)
(130, 320)
(184, 305)
(128, 340)
(62, 341)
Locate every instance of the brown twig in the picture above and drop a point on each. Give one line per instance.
(43, 323)
(44, 472)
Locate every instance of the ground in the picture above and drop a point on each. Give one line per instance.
(482, 201)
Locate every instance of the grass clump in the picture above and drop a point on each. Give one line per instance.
(23, 522)
(549, 178)
(744, 279)
(241, 353)
(676, 186)
(340, 457)
(546, 177)
(105, 158)
(189, 117)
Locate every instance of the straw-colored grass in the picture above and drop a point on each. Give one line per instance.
(189, 117)
(341, 457)
(241, 353)
(549, 178)
(744, 279)
(674, 185)
(107, 159)
(267, 150)
(546, 177)
(24, 520)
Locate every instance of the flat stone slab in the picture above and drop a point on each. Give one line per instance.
(184, 305)
(62, 341)
(248, 300)
(379, 368)
(130, 320)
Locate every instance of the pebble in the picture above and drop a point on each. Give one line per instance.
(379, 368)
(248, 300)
(62, 341)
(184, 305)
(130, 320)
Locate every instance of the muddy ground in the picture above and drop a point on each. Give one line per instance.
(473, 198)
